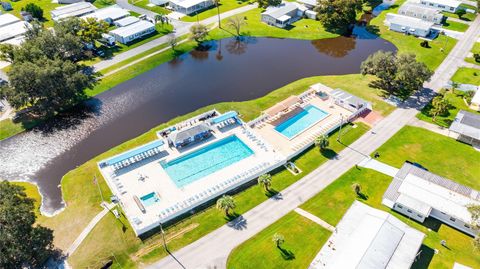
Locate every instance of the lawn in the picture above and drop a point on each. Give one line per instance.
(466, 17)
(9, 128)
(432, 57)
(82, 199)
(456, 103)
(475, 50)
(439, 154)
(144, 4)
(46, 5)
(454, 26)
(32, 192)
(225, 5)
(331, 204)
(465, 75)
(303, 239)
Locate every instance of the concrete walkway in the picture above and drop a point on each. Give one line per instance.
(378, 166)
(315, 219)
(429, 126)
(459, 20)
(88, 229)
(470, 65)
(212, 250)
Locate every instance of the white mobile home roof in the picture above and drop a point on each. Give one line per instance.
(409, 21)
(279, 11)
(369, 238)
(431, 190)
(466, 123)
(308, 2)
(132, 28)
(126, 21)
(113, 12)
(16, 41)
(13, 30)
(476, 97)
(411, 7)
(72, 10)
(187, 3)
(6, 19)
(450, 3)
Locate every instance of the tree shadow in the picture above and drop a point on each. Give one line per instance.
(236, 221)
(423, 258)
(286, 254)
(329, 154)
(272, 193)
(362, 196)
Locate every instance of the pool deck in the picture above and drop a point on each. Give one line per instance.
(287, 146)
(175, 201)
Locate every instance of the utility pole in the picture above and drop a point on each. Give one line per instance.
(163, 236)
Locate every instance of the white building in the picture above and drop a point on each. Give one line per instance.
(73, 10)
(369, 238)
(12, 29)
(133, 31)
(109, 14)
(422, 12)
(190, 6)
(443, 5)
(283, 15)
(475, 103)
(126, 21)
(310, 4)
(466, 127)
(420, 194)
(408, 25)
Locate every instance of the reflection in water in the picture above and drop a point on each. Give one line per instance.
(191, 81)
(335, 47)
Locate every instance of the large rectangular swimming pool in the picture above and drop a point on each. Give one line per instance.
(301, 121)
(207, 160)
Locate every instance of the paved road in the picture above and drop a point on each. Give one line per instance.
(181, 28)
(212, 250)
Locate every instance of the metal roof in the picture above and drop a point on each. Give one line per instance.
(417, 10)
(188, 3)
(410, 22)
(127, 21)
(112, 12)
(369, 238)
(467, 124)
(72, 10)
(132, 29)
(281, 10)
(131, 153)
(450, 3)
(182, 135)
(6, 19)
(13, 30)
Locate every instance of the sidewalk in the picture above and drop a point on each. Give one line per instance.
(429, 126)
(315, 219)
(378, 166)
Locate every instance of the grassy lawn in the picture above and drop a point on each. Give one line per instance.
(467, 75)
(455, 26)
(475, 49)
(82, 199)
(303, 239)
(225, 5)
(144, 4)
(32, 192)
(456, 103)
(432, 56)
(466, 17)
(331, 204)
(439, 154)
(9, 128)
(46, 5)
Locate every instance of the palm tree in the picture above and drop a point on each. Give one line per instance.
(322, 142)
(357, 188)
(265, 181)
(226, 203)
(278, 239)
(217, 2)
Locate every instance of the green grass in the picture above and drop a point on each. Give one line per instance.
(432, 56)
(82, 199)
(456, 103)
(455, 26)
(303, 239)
(466, 17)
(144, 4)
(9, 128)
(225, 5)
(332, 203)
(46, 5)
(465, 75)
(31, 191)
(475, 49)
(439, 154)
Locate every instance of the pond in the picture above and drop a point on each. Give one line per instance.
(224, 70)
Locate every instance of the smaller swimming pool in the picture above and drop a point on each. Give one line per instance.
(150, 199)
(301, 121)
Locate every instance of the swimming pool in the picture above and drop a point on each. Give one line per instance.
(300, 122)
(150, 199)
(207, 160)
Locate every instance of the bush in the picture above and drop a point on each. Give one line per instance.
(424, 44)
(476, 56)
(36, 11)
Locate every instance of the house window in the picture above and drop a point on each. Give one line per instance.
(399, 206)
(467, 226)
(452, 219)
(451, 8)
(431, 4)
(420, 216)
(409, 211)
(442, 212)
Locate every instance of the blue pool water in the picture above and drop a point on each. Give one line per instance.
(207, 160)
(302, 121)
(150, 199)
